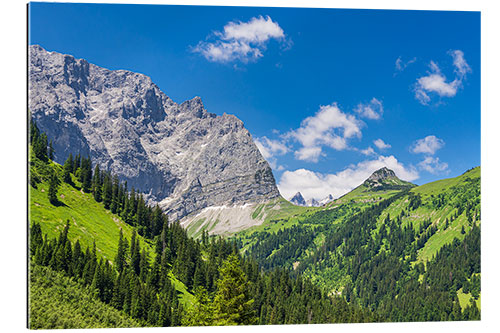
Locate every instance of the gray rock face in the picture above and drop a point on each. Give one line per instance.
(385, 179)
(381, 174)
(298, 199)
(180, 155)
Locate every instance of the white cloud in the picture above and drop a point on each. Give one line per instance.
(400, 65)
(381, 144)
(244, 41)
(435, 82)
(433, 165)
(257, 30)
(368, 151)
(269, 148)
(428, 145)
(317, 185)
(371, 110)
(328, 127)
(422, 97)
(310, 154)
(461, 66)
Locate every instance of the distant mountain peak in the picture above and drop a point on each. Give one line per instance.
(298, 199)
(382, 173)
(385, 178)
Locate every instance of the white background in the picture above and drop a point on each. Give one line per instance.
(13, 185)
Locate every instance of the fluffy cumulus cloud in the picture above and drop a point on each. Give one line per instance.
(243, 41)
(380, 144)
(371, 110)
(270, 148)
(368, 151)
(328, 127)
(428, 145)
(318, 185)
(435, 82)
(433, 165)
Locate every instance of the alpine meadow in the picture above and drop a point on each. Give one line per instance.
(308, 166)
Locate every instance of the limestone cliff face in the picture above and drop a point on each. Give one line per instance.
(180, 155)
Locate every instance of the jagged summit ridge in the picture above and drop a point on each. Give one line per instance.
(181, 155)
(298, 199)
(381, 173)
(383, 178)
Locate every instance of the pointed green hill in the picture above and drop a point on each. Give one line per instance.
(380, 185)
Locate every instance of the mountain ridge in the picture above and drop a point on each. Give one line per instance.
(180, 155)
(298, 199)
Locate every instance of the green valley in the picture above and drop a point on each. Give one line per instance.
(395, 229)
(99, 246)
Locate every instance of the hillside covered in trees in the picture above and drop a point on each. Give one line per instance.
(156, 277)
(99, 252)
(408, 255)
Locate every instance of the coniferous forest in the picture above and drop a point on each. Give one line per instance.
(136, 288)
(366, 268)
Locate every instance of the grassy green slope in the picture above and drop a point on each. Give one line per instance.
(365, 193)
(288, 215)
(440, 200)
(452, 192)
(89, 221)
(258, 217)
(279, 215)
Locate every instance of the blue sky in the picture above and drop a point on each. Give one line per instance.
(328, 95)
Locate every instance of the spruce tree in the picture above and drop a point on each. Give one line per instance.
(122, 253)
(232, 305)
(86, 174)
(202, 311)
(77, 259)
(199, 276)
(68, 169)
(76, 163)
(40, 146)
(53, 188)
(96, 184)
(34, 131)
(114, 194)
(107, 190)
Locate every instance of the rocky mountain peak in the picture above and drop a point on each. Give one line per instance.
(298, 199)
(381, 174)
(385, 178)
(180, 155)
